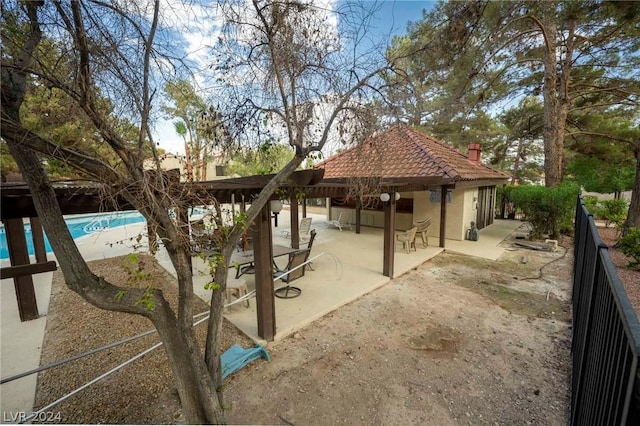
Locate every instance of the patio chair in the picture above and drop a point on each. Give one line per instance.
(313, 237)
(236, 287)
(305, 228)
(408, 238)
(423, 227)
(295, 260)
(336, 223)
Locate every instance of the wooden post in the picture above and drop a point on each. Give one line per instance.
(295, 229)
(304, 207)
(443, 214)
(37, 236)
(233, 205)
(263, 255)
(25, 293)
(389, 236)
(358, 211)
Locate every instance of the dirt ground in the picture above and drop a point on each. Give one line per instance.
(458, 340)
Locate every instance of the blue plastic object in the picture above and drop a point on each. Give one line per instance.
(237, 357)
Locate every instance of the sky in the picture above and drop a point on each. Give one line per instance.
(390, 18)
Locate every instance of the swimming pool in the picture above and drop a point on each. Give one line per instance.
(79, 226)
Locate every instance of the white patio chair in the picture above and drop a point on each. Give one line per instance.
(305, 229)
(336, 223)
(407, 238)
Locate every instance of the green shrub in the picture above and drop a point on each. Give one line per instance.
(629, 244)
(614, 212)
(548, 210)
(591, 203)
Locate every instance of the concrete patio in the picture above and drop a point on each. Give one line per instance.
(346, 266)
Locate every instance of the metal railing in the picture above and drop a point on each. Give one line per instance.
(605, 384)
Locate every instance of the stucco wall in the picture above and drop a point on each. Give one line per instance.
(371, 218)
(461, 211)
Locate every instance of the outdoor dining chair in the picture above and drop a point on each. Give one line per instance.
(422, 229)
(312, 237)
(408, 238)
(295, 260)
(305, 228)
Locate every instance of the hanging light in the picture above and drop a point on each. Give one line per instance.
(276, 206)
(385, 197)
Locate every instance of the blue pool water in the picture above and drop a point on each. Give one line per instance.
(79, 227)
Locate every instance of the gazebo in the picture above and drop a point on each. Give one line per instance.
(432, 178)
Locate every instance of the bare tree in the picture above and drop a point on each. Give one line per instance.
(293, 74)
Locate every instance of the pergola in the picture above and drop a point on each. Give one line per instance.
(437, 172)
(16, 205)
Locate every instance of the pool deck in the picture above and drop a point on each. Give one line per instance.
(349, 265)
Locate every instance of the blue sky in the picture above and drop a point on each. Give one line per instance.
(394, 15)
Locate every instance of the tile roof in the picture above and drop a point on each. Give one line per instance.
(402, 152)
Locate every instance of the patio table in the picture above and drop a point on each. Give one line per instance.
(246, 257)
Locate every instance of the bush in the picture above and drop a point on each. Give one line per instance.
(592, 205)
(614, 212)
(548, 210)
(629, 244)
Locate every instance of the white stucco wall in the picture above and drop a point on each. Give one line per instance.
(371, 218)
(461, 211)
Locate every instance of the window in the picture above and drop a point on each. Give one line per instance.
(434, 196)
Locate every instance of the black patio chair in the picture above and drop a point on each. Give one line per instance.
(312, 236)
(295, 260)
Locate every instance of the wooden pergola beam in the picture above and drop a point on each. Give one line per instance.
(295, 228)
(389, 236)
(263, 255)
(443, 213)
(19, 256)
(30, 269)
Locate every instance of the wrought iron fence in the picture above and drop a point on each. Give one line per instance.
(605, 388)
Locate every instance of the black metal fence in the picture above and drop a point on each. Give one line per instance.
(605, 388)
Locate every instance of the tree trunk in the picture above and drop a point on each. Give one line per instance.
(189, 163)
(551, 133)
(516, 164)
(633, 216)
(205, 161)
(199, 404)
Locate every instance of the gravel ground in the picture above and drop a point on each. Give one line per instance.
(458, 340)
(141, 392)
(630, 278)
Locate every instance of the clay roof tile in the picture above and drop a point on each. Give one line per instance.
(402, 152)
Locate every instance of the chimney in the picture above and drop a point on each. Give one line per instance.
(474, 152)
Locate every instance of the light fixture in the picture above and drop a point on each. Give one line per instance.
(397, 196)
(385, 197)
(276, 206)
